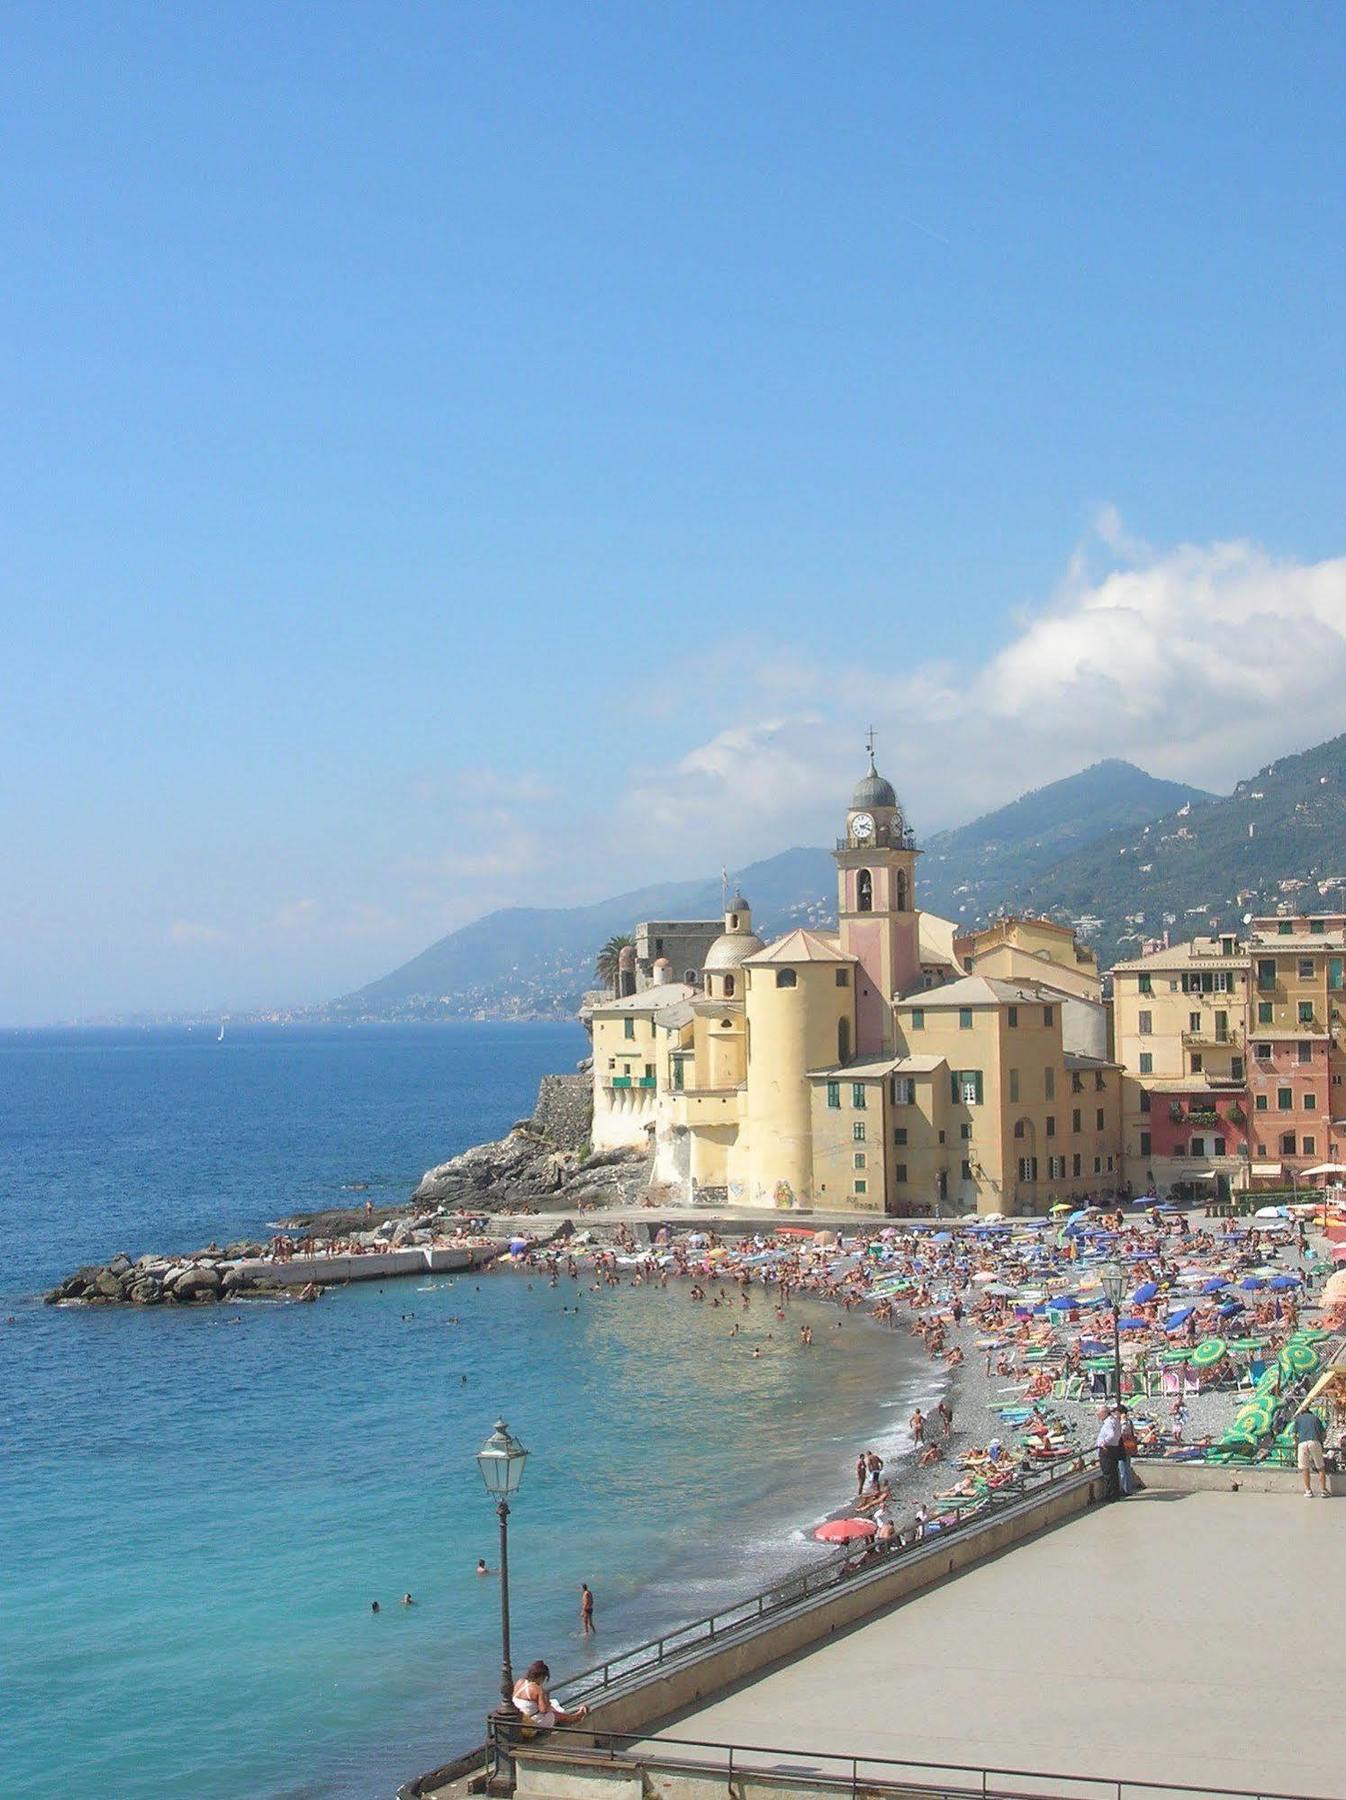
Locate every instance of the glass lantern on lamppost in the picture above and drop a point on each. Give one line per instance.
(501, 1460)
(1114, 1286)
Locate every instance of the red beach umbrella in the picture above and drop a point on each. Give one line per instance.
(841, 1531)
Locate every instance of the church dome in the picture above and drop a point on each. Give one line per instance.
(872, 791)
(734, 947)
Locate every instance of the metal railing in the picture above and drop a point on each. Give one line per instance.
(857, 1565)
(859, 1775)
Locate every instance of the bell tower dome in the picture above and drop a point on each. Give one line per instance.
(876, 905)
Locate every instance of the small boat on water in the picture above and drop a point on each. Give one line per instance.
(220, 1038)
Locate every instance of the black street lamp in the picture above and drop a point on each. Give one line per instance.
(1114, 1286)
(501, 1460)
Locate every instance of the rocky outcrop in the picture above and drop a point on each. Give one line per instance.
(525, 1171)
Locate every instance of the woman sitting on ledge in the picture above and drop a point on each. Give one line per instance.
(536, 1704)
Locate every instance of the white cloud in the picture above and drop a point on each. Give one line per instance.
(1200, 662)
(192, 933)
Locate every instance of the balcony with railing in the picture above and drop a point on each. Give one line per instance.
(1211, 1037)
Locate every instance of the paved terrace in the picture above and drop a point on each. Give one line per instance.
(1184, 1638)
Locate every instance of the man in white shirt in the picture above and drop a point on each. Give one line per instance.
(1108, 1444)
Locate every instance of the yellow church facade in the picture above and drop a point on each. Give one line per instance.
(891, 1067)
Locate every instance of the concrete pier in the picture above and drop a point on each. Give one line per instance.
(376, 1265)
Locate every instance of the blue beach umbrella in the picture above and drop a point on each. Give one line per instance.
(1251, 1283)
(1133, 1324)
(1229, 1308)
(1285, 1281)
(1146, 1291)
(1180, 1317)
(1213, 1286)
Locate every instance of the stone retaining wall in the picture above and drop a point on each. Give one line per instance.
(564, 1113)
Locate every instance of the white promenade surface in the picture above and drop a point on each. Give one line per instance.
(1193, 1639)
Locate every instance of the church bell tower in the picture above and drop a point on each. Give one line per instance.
(876, 907)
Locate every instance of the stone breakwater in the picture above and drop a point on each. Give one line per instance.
(518, 1173)
(199, 1280)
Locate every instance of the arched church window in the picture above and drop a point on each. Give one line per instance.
(864, 891)
(733, 921)
(901, 890)
(689, 976)
(728, 987)
(843, 1040)
(786, 978)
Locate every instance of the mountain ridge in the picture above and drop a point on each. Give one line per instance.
(538, 961)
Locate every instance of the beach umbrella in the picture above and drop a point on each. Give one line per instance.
(1214, 1285)
(1302, 1358)
(1062, 1206)
(1256, 1416)
(841, 1531)
(1180, 1317)
(1208, 1352)
(1251, 1283)
(1146, 1291)
(1281, 1282)
(1229, 1308)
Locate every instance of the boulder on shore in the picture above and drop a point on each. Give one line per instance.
(202, 1283)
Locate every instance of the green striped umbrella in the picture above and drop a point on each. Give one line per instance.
(1208, 1352)
(1252, 1421)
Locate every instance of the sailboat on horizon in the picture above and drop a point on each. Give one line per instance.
(220, 1038)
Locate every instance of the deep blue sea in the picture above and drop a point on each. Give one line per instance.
(197, 1507)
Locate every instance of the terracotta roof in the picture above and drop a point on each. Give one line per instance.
(660, 999)
(800, 947)
(985, 990)
(1182, 956)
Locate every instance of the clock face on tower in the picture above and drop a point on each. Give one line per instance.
(862, 827)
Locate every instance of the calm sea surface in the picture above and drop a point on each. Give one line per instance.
(196, 1508)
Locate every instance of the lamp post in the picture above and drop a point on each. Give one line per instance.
(501, 1460)
(1114, 1286)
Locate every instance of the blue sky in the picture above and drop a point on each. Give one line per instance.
(489, 453)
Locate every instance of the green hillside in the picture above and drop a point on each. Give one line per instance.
(1279, 838)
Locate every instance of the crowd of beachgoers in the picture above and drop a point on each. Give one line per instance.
(1018, 1329)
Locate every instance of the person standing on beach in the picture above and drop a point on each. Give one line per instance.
(1108, 1444)
(861, 1471)
(1308, 1429)
(918, 1426)
(586, 1610)
(945, 1412)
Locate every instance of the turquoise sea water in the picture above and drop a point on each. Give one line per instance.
(198, 1507)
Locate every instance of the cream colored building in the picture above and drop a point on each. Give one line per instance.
(1179, 1029)
(859, 1071)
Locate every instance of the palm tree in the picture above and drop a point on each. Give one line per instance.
(607, 964)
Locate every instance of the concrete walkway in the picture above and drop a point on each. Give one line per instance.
(1192, 1639)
